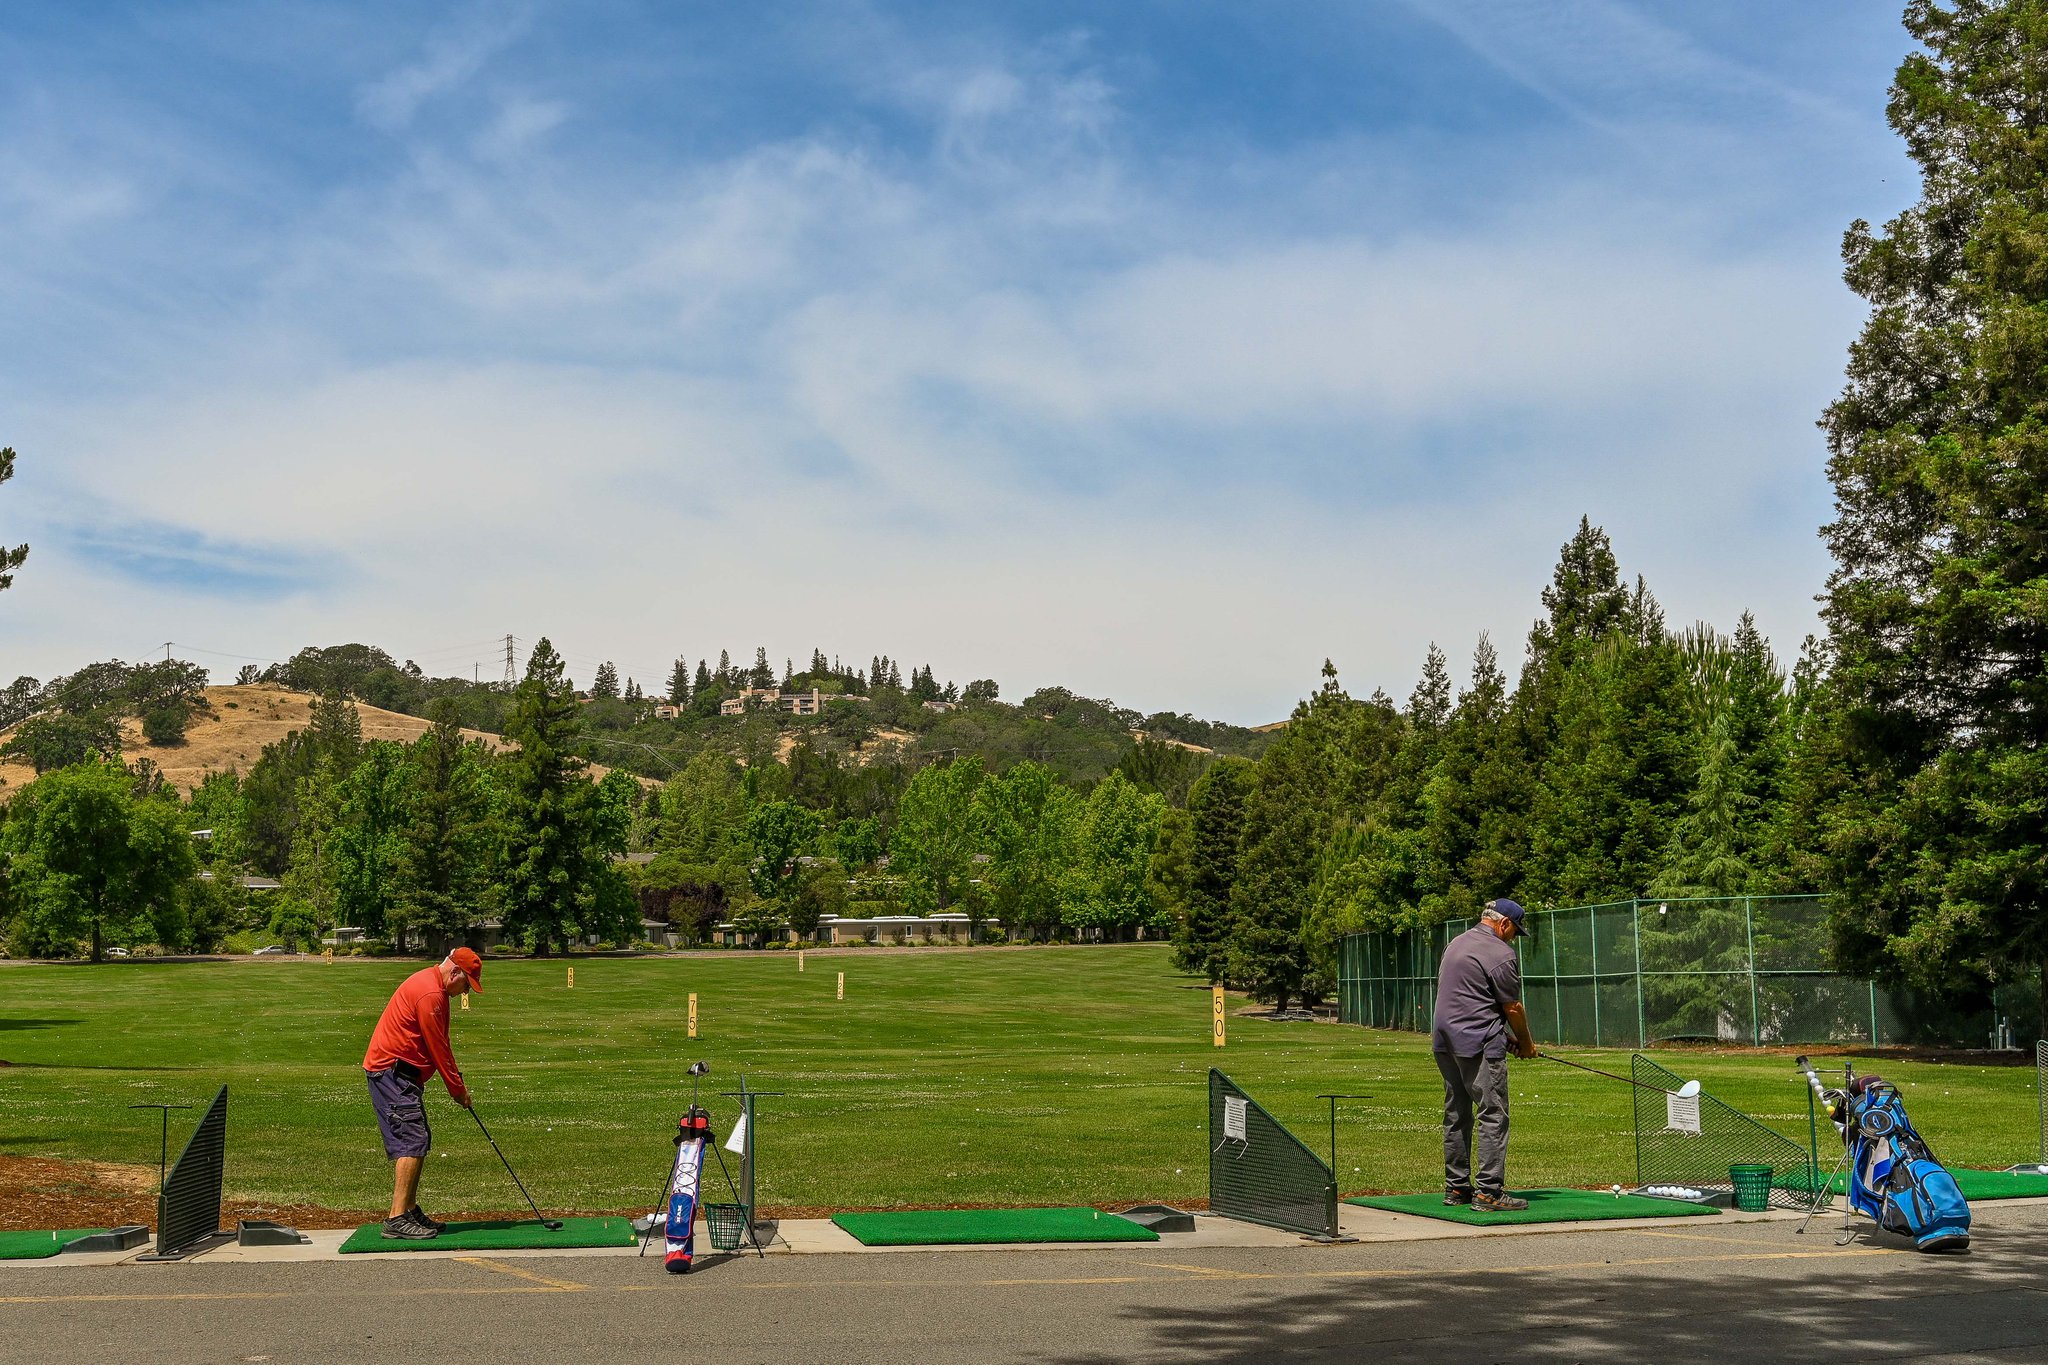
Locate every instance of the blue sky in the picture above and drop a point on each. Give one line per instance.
(1157, 350)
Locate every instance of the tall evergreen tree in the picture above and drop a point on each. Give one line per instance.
(447, 849)
(605, 686)
(679, 681)
(542, 854)
(1937, 609)
(10, 560)
(1216, 827)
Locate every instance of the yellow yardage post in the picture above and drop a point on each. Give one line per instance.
(693, 1014)
(1216, 1010)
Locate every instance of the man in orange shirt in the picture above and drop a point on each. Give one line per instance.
(409, 1045)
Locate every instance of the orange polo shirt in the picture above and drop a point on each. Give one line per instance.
(414, 1030)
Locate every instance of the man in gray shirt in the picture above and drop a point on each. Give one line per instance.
(1478, 1000)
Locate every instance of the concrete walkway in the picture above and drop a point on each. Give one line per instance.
(814, 1236)
(1701, 1291)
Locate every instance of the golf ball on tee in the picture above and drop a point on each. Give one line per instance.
(1617, 1191)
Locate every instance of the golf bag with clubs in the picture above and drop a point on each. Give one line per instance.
(693, 1134)
(1894, 1177)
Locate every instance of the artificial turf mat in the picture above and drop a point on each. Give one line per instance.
(1545, 1206)
(34, 1246)
(502, 1236)
(960, 1227)
(1984, 1184)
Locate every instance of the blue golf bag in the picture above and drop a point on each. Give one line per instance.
(1893, 1175)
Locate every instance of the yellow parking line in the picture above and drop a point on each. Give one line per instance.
(501, 1268)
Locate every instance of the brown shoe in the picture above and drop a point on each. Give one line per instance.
(1457, 1198)
(1498, 1203)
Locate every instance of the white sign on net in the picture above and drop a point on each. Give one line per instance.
(1233, 1118)
(1682, 1113)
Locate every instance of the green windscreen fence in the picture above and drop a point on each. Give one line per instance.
(2041, 1092)
(1740, 969)
(1697, 1142)
(1261, 1173)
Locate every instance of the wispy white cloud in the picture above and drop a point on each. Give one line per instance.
(1001, 387)
(453, 56)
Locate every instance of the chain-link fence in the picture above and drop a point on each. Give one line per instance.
(1737, 969)
(1260, 1172)
(1696, 1144)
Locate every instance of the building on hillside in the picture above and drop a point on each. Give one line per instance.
(941, 706)
(667, 710)
(796, 703)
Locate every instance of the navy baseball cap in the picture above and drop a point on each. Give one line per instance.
(1512, 913)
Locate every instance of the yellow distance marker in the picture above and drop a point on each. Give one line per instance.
(842, 985)
(693, 1014)
(465, 1000)
(572, 978)
(1216, 1011)
(799, 960)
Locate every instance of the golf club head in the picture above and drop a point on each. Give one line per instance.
(551, 1224)
(700, 1068)
(1688, 1090)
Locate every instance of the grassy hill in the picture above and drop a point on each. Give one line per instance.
(232, 730)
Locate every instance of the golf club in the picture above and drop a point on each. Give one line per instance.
(1684, 1092)
(551, 1224)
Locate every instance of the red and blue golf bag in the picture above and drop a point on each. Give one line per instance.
(692, 1135)
(1894, 1177)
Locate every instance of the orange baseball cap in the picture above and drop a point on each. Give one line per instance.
(472, 967)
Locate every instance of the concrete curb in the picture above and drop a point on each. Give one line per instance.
(820, 1236)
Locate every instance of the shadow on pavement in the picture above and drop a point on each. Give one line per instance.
(1798, 1303)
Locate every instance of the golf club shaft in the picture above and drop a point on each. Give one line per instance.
(543, 1220)
(1640, 1085)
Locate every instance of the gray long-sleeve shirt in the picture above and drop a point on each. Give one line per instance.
(1478, 979)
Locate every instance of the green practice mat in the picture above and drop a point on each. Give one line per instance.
(506, 1236)
(34, 1246)
(1545, 1206)
(962, 1227)
(1977, 1185)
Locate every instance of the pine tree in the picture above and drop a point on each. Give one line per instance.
(10, 560)
(1216, 828)
(679, 682)
(700, 685)
(1289, 813)
(763, 673)
(1937, 609)
(442, 880)
(724, 676)
(606, 685)
(632, 692)
(542, 854)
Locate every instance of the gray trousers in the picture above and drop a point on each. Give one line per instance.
(1475, 1083)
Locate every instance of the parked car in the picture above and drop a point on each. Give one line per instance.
(117, 952)
(274, 950)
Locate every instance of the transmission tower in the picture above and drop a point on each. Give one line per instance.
(511, 676)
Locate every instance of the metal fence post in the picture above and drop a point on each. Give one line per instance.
(1756, 1023)
(1556, 992)
(1636, 921)
(1873, 1014)
(1593, 936)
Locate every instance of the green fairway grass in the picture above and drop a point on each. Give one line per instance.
(983, 1227)
(1066, 1075)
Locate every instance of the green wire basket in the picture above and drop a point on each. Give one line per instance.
(1752, 1187)
(728, 1224)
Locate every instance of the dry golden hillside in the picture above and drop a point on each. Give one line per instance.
(244, 719)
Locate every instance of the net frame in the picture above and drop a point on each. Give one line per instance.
(1730, 969)
(1727, 1137)
(1270, 1177)
(2041, 1092)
